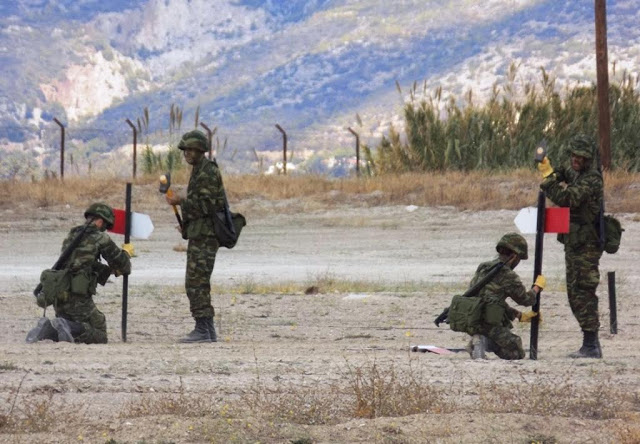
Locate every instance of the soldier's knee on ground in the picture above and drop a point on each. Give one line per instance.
(43, 330)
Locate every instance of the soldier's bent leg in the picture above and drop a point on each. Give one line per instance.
(506, 344)
(93, 324)
(201, 256)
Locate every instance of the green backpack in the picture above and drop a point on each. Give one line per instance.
(56, 285)
(466, 313)
(612, 234)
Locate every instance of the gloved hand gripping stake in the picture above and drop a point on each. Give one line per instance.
(165, 184)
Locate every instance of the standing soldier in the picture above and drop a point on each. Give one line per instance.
(581, 189)
(492, 329)
(205, 196)
(77, 317)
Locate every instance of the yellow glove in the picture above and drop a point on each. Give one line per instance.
(128, 248)
(545, 167)
(528, 315)
(541, 281)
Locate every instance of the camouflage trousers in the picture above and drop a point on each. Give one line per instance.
(583, 277)
(201, 256)
(504, 343)
(82, 309)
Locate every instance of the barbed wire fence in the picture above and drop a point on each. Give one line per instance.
(85, 149)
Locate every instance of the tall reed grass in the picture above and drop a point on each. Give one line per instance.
(501, 134)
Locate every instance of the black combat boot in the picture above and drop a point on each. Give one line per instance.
(590, 346)
(477, 347)
(199, 334)
(211, 329)
(65, 329)
(44, 330)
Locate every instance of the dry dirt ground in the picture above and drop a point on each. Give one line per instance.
(333, 366)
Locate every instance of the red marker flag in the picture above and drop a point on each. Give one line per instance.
(556, 220)
(141, 225)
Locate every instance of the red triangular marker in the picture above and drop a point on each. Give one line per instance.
(556, 220)
(141, 225)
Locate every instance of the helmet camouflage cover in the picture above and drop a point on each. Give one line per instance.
(582, 145)
(516, 243)
(194, 139)
(103, 211)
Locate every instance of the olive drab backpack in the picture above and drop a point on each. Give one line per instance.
(56, 285)
(612, 234)
(466, 313)
(56, 282)
(227, 225)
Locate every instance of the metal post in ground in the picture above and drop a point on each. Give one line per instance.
(125, 278)
(357, 150)
(135, 143)
(284, 149)
(613, 310)
(537, 270)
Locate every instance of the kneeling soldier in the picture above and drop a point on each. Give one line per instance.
(490, 325)
(77, 317)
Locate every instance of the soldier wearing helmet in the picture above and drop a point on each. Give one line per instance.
(494, 329)
(580, 187)
(77, 317)
(205, 196)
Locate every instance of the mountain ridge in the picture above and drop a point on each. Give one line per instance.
(310, 66)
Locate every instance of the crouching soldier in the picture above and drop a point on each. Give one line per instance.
(70, 287)
(485, 314)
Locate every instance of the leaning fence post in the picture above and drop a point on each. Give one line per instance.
(61, 147)
(135, 142)
(357, 150)
(210, 134)
(284, 148)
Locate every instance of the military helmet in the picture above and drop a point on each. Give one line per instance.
(515, 243)
(194, 139)
(582, 145)
(103, 211)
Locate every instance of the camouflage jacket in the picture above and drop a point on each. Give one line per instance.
(85, 265)
(583, 194)
(506, 284)
(205, 196)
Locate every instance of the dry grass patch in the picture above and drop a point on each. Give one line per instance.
(366, 391)
(379, 391)
(476, 190)
(35, 414)
(596, 399)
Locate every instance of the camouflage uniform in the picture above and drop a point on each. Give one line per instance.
(205, 196)
(582, 192)
(72, 284)
(85, 269)
(583, 195)
(506, 284)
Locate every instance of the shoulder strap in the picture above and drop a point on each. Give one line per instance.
(493, 271)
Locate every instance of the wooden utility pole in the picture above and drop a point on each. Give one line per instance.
(602, 69)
